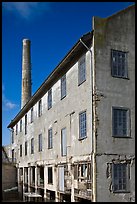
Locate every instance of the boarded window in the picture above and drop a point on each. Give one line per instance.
(81, 70)
(63, 142)
(82, 125)
(50, 99)
(119, 63)
(120, 177)
(50, 144)
(63, 86)
(120, 122)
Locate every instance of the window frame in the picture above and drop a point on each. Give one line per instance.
(20, 150)
(40, 107)
(125, 76)
(50, 173)
(21, 125)
(26, 148)
(80, 70)
(63, 86)
(17, 129)
(32, 114)
(128, 122)
(12, 136)
(50, 138)
(25, 124)
(63, 149)
(82, 137)
(32, 145)
(50, 99)
(127, 177)
(40, 143)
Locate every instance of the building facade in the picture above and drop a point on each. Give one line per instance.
(74, 139)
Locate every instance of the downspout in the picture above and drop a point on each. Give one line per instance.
(93, 110)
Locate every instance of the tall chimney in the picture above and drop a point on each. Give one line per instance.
(26, 72)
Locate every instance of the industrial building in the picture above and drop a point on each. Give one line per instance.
(74, 139)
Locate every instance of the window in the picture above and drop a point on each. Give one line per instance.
(26, 124)
(120, 122)
(63, 86)
(26, 148)
(120, 177)
(20, 125)
(82, 125)
(81, 70)
(16, 129)
(50, 177)
(40, 108)
(119, 63)
(50, 138)
(12, 136)
(63, 142)
(32, 146)
(50, 99)
(40, 142)
(12, 152)
(31, 114)
(20, 150)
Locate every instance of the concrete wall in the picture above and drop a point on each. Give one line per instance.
(116, 32)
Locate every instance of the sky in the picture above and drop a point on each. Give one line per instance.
(53, 28)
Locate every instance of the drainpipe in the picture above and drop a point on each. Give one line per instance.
(94, 122)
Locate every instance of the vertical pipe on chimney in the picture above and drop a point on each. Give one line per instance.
(26, 72)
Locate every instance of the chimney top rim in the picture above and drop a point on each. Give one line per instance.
(26, 40)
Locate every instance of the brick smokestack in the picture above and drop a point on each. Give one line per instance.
(26, 72)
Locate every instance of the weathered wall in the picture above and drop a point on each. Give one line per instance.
(59, 116)
(9, 178)
(116, 32)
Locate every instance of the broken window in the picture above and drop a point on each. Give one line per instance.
(32, 145)
(63, 142)
(50, 176)
(63, 86)
(50, 99)
(82, 70)
(50, 145)
(40, 142)
(40, 108)
(82, 171)
(82, 125)
(119, 63)
(120, 120)
(120, 177)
